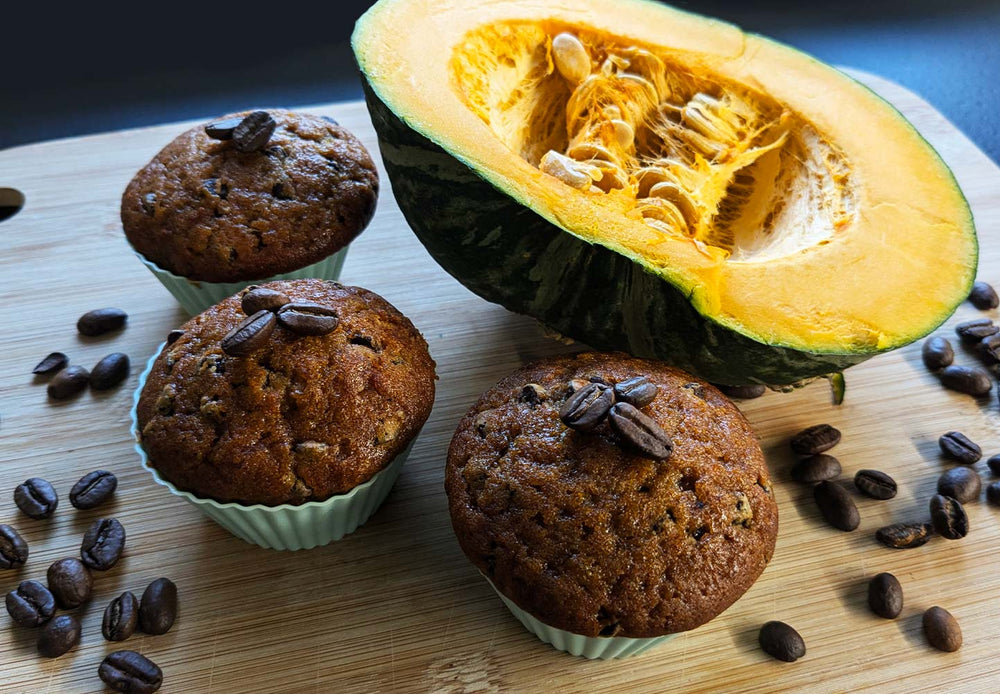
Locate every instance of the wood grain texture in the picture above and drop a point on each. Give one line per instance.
(395, 606)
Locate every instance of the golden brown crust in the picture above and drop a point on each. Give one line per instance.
(205, 211)
(593, 540)
(300, 419)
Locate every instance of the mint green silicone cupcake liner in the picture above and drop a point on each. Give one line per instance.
(593, 647)
(287, 527)
(195, 296)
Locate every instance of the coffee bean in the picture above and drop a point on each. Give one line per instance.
(958, 446)
(949, 517)
(885, 596)
(587, 407)
(36, 498)
(748, 392)
(989, 350)
(70, 582)
(103, 544)
(781, 641)
(68, 382)
(983, 296)
(262, 299)
(128, 671)
(976, 330)
(960, 483)
(639, 432)
(937, 353)
(173, 336)
(993, 493)
(50, 364)
(815, 439)
(836, 505)
(637, 391)
(110, 371)
(307, 318)
(30, 604)
(253, 131)
(100, 321)
(994, 463)
(942, 630)
(93, 489)
(970, 380)
(120, 617)
(875, 484)
(250, 335)
(158, 607)
(532, 394)
(59, 636)
(905, 535)
(222, 129)
(816, 468)
(13, 548)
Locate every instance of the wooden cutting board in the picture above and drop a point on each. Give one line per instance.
(396, 606)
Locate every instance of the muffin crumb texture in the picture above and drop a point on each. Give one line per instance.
(206, 211)
(299, 419)
(592, 539)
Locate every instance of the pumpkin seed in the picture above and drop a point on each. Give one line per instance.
(570, 58)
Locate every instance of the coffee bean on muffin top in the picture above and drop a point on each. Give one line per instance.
(597, 538)
(205, 210)
(297, 418)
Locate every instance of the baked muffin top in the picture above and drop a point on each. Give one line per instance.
(298, 419)
(204, 210)
(593, 539)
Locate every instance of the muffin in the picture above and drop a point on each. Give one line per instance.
(209, 216)
(599, 543)
(296, 419)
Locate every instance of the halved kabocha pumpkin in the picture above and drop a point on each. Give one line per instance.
(644, 179)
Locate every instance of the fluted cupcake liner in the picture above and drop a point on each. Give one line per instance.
(195, 296)
(287, 526)
(593, 647)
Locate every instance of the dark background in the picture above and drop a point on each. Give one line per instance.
(106, 67)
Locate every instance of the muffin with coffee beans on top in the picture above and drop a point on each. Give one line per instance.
(610, 501)
(251, 196)
(285, 412)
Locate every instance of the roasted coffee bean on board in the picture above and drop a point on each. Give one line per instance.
(131, 672)
(30, 604)
(308, 319)
(905, 535)
(962, 483)
(815, 439)
(639, 432)
(50, 364)
(70, 582)
(970, 380)
(949, 517)
(100, 321)
(875, 484)
(937, 353)
(250, 335)
(59, 636)
(638, 391)
(994, 464)
(222, 129)
(993, 493)
(121, 617)
(942, 629)
(958, 446)
(885, 595)
(36, 498)
(781, 641)
(158, 607)
(93, 489)
(110, 371)
(989, 350)
(976, 330)
(836, 505)
(587, 407)
(70, 381)
(748, 392)
(13, 548)
(816, 468)
(983, 296)
(254, 131)
(103, 544)
(262, 299)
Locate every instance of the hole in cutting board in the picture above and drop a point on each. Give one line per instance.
(11, 202)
